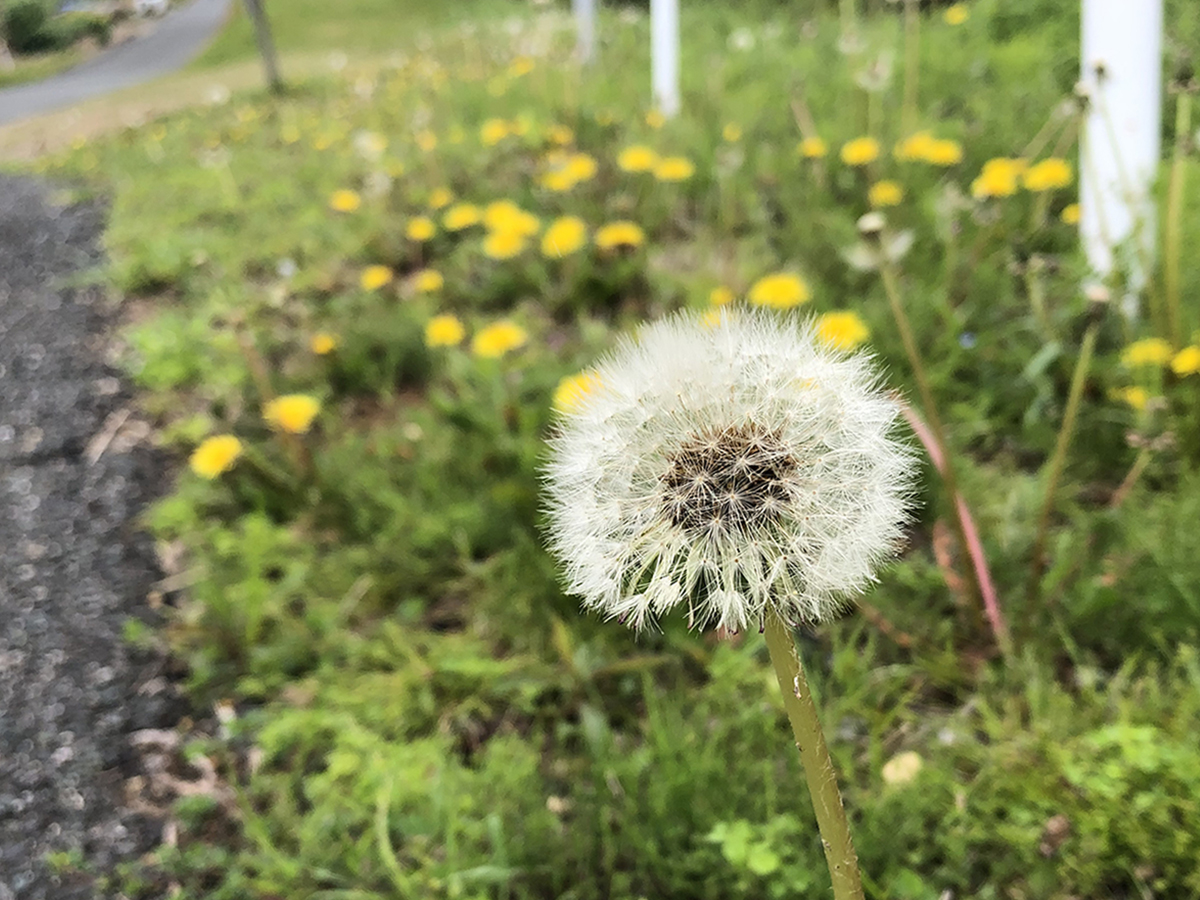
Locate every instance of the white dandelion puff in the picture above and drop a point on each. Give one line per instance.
(731, 465)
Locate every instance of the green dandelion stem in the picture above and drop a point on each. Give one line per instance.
(1183, 127)
(818, 767)
(1065, 433)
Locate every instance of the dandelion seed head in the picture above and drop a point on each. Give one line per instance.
(733, 468)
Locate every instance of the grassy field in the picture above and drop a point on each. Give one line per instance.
(404, 702)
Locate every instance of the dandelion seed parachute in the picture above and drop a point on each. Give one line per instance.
(731, 468)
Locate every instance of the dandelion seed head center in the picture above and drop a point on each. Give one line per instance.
(734, 479)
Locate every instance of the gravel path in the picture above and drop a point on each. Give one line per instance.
(73, 567)
(179, 37)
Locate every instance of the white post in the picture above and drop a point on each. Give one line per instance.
(1120, 150)
(664, 55)
(585, 25)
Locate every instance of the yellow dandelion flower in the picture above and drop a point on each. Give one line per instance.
(504, 215)
(497, 339)
(637, 158)
(721, 296)
(565, 236)
(860, 151)
(573, 390)
(557, 179)
(1133, 397)
(915, 146)
(943, 152)
(885, 193)
(428, 281)
(655, 119)
(427, 141)
(344, 201)
(619, 234)
(1048, 175)
(581, 167)
(439, 198)
(322, 343)
(843, 330)
(504, 244)
(522, 65)
(732, 132)
(444, 331)
(1186, 361)
(812, 148)
(1070, 214)
(560, 134)
(375, 277)
(215, 455)
(1146, 352)
(493, 131)
(460, 216)
(420, 228)
(782, 290)
(956, 14)
(999, 177)
(293, 413)
(674, 168)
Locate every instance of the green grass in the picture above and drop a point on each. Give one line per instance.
(350, 26)
(35, 68)
(420, 711)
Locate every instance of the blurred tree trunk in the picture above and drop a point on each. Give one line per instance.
(266, 44)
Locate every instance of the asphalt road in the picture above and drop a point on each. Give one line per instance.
(182, 33)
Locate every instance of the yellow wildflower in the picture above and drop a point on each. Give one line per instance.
(956, 14)
(565, 236)
(843, 330)
(782, 290)
(860, 151)
(504, 244)
(619, 234)
(460, 216)
(944, 152)
(732, 132)
(558, 179)
(215, 455)
(1186, 361)
(522, 65)
(444, 331)
(293, 413)
(812, 148)
(998, 178)
(902, 768)
(322, 343)
(573, 390)
(427, 140)
(915, 146)
(674, 168)
(655, 119)
(497, 339)
(375, 277)
(1133, 397)
(637, 158)
(344, 201)
(1146, 352)
(420, 228)
(720, 296)
(440, 198)
(581, 167)
(1048, 175)
(428, 281)
(493, 131)
(504, 215)
(560, 134)
(1070, 214)
(885, 193)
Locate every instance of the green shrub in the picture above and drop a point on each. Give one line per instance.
(24, 25)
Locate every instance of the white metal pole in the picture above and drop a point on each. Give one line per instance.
(585, 24)
(664, 55)
(1121, 146)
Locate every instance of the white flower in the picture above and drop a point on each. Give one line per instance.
(733, 465)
